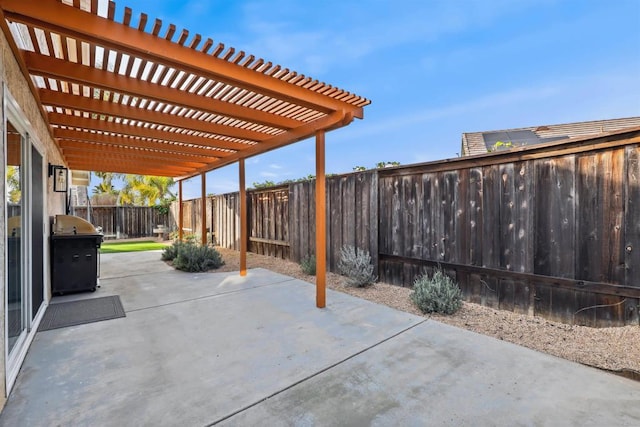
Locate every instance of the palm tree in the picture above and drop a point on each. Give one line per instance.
(161, 187)
(106, 185)
(146, 190)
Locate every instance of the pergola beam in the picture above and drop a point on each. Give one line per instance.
(122, 165)
(333, 120)
(80, 155)
(126, 168)
(141, 157)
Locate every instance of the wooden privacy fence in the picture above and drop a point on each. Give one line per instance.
(281, 220)
(222, 220)
(552, 230)
(269, 222)
(124, 221)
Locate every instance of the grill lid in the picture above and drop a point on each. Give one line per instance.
(69, 224)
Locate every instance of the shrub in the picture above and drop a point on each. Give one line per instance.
(356, 265)
(192, 257)
(438, 294)
(308, 265)
(170, 252)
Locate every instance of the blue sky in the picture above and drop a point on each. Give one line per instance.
(432, 69)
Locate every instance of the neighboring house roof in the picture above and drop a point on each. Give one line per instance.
(481, 142)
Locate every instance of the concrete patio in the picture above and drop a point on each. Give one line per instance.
(204, 349)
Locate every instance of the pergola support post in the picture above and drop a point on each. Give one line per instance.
(321, 221)
(203, 207)
(243, 219)
(180, 220)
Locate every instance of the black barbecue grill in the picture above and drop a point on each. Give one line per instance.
(75, 262)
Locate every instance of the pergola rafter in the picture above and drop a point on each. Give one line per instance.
(97, 106)
(59, 69)
(124, 141)
(119, 128)
(88, 150)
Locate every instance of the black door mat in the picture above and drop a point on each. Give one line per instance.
(79, 312)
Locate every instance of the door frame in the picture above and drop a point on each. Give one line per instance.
(13, 362)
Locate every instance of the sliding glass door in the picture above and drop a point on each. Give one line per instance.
(25, 208)
(38, 239)
(16, 297)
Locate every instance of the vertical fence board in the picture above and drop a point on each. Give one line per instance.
(304, 239)
(632, 219)
(507, 235)
(334, 240)
(370, 187)
(429, 250)
(491, 217)
(385, 232)
(409, 214)
(348, 200)
(524, 187)
(437, 217)
(475, 217)
(397, 231)
(461, 212)
(632, 231)
(542, 300)
(361, 212)
(448, 224)
(311, 216)
(521, 297)
(506, 293)
(555, 217)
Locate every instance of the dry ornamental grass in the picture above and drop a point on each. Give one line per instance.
(614, 349)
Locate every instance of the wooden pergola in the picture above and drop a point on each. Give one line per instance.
(147, 98)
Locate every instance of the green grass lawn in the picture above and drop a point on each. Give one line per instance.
(116, 247)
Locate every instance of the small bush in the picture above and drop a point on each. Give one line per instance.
(438, 294)
(308, 265)
(356, 265)
(170, 252)
(192, 257)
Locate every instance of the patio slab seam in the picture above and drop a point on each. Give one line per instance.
(103, 279)
(203, 297)
(172, 270)
(315, 374)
